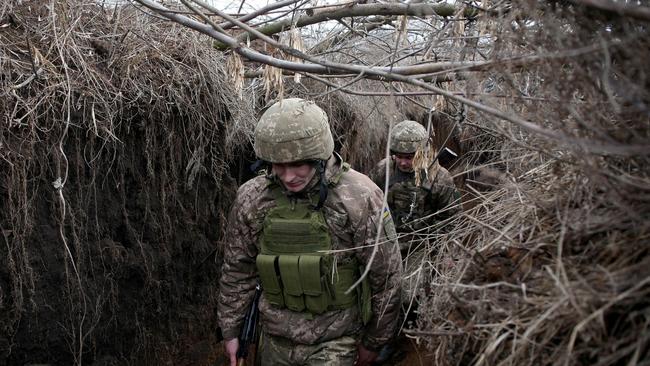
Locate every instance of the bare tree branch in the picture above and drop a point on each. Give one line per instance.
(392, 74)
(318, 66)
(339, 38)
(420, 10)
(264, 10)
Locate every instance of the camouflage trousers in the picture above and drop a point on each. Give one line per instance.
(276, 351)
(417, 270)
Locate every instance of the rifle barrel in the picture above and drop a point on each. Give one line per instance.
(247, 334)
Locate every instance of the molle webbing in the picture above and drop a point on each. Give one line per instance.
(294, 270)
(407, 201)
(301, 283)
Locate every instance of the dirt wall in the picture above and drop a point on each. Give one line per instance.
(116, 164)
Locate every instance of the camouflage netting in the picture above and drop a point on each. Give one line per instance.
(116, 137)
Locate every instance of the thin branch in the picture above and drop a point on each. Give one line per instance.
(359, 10)
(394, 74)
(339, 38)
(434, 333)
(261, 11)
(204, 17)
(337, 88)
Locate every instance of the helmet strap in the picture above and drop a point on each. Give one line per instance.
(323, 190)
(257, 165)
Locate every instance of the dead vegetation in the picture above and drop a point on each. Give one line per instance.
(119, 153)
(116, 139)
(549, 263)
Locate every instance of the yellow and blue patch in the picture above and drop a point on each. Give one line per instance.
(388, 224)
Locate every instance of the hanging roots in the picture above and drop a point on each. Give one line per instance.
(273, 81)
(423, 162)
(235, 72)
(294, 40)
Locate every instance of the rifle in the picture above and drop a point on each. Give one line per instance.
(248, 331)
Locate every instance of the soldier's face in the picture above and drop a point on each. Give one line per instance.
(404, 162)
(294, 176)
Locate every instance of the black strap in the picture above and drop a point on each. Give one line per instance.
(323, 190)
(257, 165)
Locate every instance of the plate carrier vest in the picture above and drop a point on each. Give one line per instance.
(407, 201)
(294, 267)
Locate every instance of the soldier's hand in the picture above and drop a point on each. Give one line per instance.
(231, 346)
(365, 357)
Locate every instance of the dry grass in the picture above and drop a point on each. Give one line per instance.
(549, 263)
(117, 131)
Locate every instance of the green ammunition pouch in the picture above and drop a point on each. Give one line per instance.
(294, 269)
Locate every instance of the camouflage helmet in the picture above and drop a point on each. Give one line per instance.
(407, 136)
(293, 130)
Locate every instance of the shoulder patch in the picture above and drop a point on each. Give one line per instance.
(389, 225)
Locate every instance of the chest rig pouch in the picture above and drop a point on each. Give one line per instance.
(406, 200)
(295, 272)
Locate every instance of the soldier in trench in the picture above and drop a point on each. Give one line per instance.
(306, 230)
(418, 207)
(415, 206)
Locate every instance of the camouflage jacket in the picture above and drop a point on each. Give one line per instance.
(352, 212)
(415, 207)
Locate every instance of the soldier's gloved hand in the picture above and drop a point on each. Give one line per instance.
(231, 346)
(365, 357)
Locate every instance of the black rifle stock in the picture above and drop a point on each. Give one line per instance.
(247, 334)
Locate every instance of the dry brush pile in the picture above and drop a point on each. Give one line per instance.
(549, 264)
(116, 136)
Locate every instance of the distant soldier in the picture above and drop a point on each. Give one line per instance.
(415, 205)
(306, 230)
